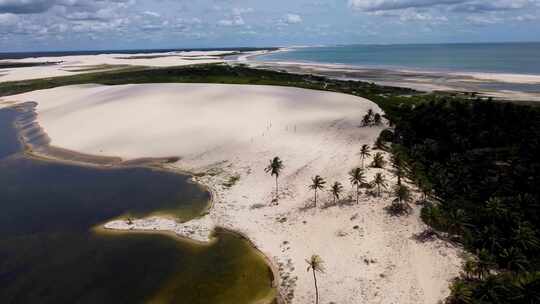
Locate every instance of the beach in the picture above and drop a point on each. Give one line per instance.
(503, 86)
(222, 133)
(79, 64)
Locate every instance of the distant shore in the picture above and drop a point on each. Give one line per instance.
(519, 87)
(523, 87)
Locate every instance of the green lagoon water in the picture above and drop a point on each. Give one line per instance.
(49, 252)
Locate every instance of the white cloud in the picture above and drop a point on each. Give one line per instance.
(293, 18)
(483, 20)
(8, 19)
(381, 5)
(152, 14)
(235, 20)
(240, 11)
(456, 5)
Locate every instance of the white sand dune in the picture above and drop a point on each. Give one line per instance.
(76, 64)
(228, 130)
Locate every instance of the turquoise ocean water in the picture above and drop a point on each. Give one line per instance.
(515, 58)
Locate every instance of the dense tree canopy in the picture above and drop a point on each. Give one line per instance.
(479, 162)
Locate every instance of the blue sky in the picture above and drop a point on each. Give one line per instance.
(33, 25)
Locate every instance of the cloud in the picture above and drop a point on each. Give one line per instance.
(42, 6)
(46, 24)
(483, 20)
(8, 19)
(293, 19)
(240, 11)
(494, 5)
(235, 20)
(25, 6)
(383, 5)
(152, 14)
(455, 5)
(413, 15)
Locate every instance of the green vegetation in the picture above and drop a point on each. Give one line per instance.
(211, 73)
(231, 181)
(13, 65)
(380, 182)
(274, 168)
(99, 67)
(317, 183)
(402, 198)
(316, 264)
(364, 153)
(336, 190)
(378, 161)
(477, 164)
(357, 178)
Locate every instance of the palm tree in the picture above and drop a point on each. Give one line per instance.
(456, 221)
(402, 197)
(366, 121)
(425, 186)
(399, 165)
(526, 288)
(357, 178)
(317, 184)
(495, 208)
(402, 194)
(370, 113)
(525, 237)
(316, 264)
(274, 168)
(364, 152)
(378, 160)
(513, 260)
(469, 269)
(491, 289)
(336, 190)
(484, 264)
(489, 236)
(377, 119)
(461, 293)
(368, 118)
(380, 182)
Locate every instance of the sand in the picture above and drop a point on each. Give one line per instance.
(486, 84)
(75, 64)
(220, 131)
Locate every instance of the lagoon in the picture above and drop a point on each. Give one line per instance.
(51, 253)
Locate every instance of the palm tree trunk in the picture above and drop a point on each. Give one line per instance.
(379, 190)
(315, 197)
(316, 288)
(277, 195)
(357, 193)
(362, 161)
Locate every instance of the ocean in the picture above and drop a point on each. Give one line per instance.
(514, 58)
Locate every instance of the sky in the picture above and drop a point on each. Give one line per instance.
(45, 25)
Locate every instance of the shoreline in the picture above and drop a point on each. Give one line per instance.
(488, 84)
(424, 70)
(232, 208)
(47, 154)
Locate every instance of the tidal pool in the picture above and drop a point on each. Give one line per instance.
(50, 253)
